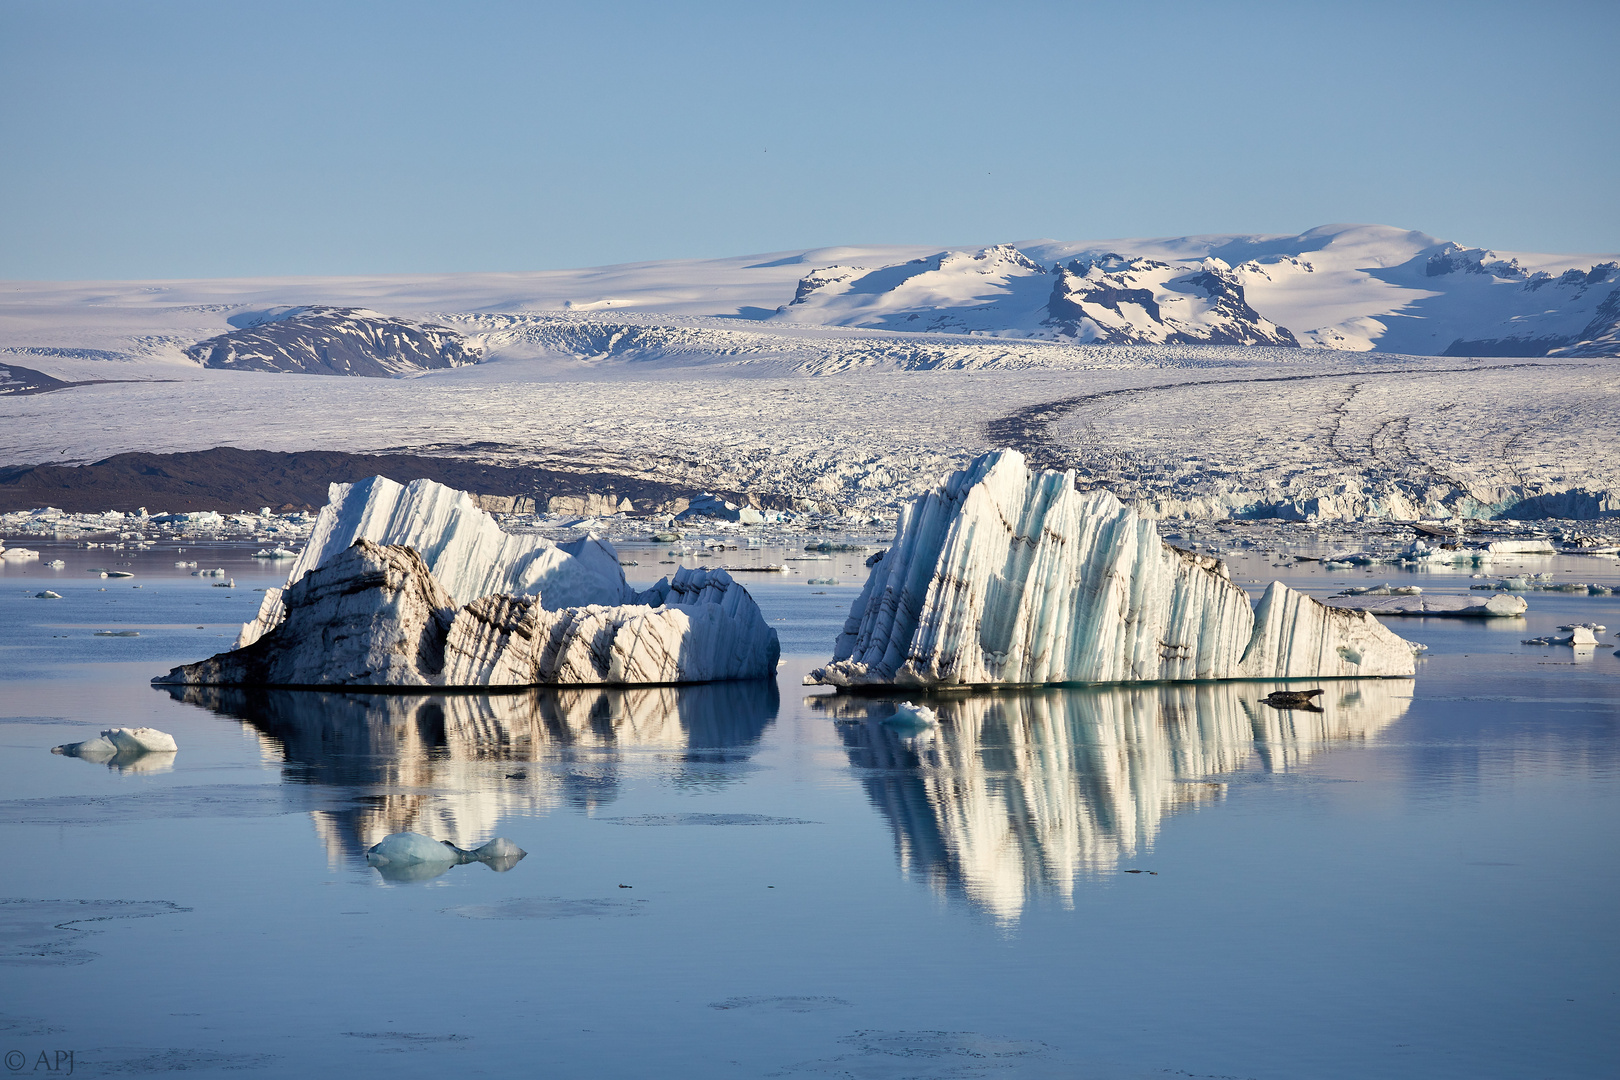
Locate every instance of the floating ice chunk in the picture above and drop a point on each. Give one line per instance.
(57, 564)
(18, 554)
(1577, 636)
(1385, 589)
(48, 594)
(411, 847)
(121, 740)
(410, 856)
(907, 714)
(273, 553)
(464, 547)
(1499, 606)
(1521, 547)
(1003, 576)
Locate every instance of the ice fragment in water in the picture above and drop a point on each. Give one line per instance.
(410, 856)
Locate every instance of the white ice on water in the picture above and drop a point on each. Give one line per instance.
(1001, 575)
(427, 609)
(468, 552)
(121, 740)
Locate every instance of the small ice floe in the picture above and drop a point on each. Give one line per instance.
(216, 572)
(18, 554)
(822, 581)
(272, 553)
(1385, 589)
(1577, 636)
(909, 715)
(1498, 606)
(141, 749)
(48, 594)
(230, 584)
(118, 573)
(185, 565)
(56, 564)
(410, 856)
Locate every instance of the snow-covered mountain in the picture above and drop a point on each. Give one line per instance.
(824, 310)
(1352, 287)
(318, 340)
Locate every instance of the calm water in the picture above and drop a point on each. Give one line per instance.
(764, 880)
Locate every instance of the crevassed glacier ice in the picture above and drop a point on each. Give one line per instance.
(1001, 575)
(467, 551)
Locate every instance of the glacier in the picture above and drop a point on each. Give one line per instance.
(1006, 576)
(413, 586)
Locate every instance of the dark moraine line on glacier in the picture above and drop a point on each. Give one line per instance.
(16, 381)
(1029, 429)
(227, 478)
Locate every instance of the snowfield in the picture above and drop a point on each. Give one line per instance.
(707, 373)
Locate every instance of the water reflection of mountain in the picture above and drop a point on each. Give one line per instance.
(1020, 793)
(452, 766)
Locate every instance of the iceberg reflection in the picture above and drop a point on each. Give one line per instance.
(451, 766)
(1020, 793)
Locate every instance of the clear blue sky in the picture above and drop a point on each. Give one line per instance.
(166, 139)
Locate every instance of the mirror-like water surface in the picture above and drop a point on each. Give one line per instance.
(1418, 880)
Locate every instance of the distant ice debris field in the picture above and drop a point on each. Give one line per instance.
(1348, 372)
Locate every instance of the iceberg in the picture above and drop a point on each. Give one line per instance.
(141, 740)
(464, 547)
(378, 615)
(1004, 576)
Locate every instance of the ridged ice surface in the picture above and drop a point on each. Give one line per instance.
(1004, 576)
(708, 629)
(1297, 637)
(467, 551)
(374, 615)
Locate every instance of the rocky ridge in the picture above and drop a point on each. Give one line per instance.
(322, 340)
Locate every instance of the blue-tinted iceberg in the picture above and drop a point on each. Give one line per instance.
(1003, 576)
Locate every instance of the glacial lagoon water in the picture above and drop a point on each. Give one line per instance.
(763, 879)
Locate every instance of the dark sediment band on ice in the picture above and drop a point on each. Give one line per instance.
(227, 478)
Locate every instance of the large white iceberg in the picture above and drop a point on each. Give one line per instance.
(466, 549)
(1005, 576)
(446, 598)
